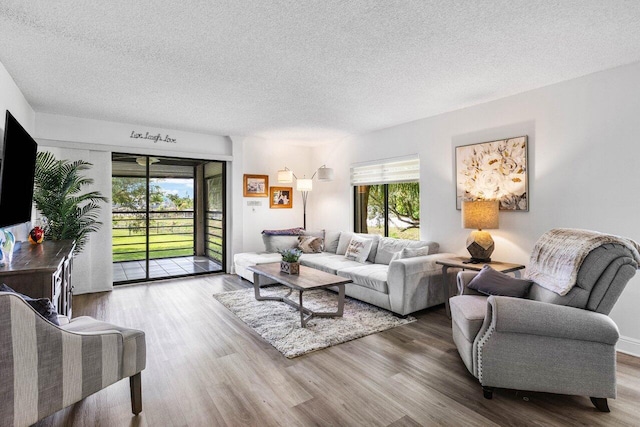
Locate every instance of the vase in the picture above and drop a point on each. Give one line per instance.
(290, 267)
(6, 247)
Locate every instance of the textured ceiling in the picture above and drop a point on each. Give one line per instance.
(301, 70)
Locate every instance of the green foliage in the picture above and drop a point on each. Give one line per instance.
(290, 255)
(404, 204)
(180, 203)
(69, 215)
(131, 193)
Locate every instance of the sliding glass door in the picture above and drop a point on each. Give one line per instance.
(161, 217)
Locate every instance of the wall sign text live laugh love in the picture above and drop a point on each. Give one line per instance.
(155, 137)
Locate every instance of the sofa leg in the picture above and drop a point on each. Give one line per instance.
(487, 392)
(135, 384)
(600, 404)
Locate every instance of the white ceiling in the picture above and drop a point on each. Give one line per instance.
(301, 70)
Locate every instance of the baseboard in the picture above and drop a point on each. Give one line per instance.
(629, 346)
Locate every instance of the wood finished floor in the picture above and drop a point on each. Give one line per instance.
(205, 367)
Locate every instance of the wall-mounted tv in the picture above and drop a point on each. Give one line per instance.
(16, 173)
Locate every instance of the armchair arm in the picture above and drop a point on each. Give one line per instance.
(531, 345)
(522, 316)
(415, 283)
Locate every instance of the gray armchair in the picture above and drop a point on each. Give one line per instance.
(549, 342)
(46, 367)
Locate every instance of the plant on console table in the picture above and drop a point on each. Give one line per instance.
(289, 263)
(69, 215)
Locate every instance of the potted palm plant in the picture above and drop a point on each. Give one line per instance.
(289, 263)
(69, 213)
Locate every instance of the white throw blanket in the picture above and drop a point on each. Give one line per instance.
(559, 253)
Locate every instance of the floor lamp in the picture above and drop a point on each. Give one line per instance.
(305, 185)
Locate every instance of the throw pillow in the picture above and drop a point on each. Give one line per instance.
(42, 305)
(358, 249)
(410, 253)
(297, 231)
(414, 252)
(492, 282)
(310, 244)
(331, 240)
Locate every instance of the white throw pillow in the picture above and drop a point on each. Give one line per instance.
(410, 253)
(358, 249)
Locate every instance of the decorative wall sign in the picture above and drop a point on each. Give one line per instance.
(152, 137)
(256, 185)
(280, 197)
(495, 170)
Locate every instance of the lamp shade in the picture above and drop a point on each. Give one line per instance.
(285, 176)
(480, 214)
(325, 174)
(304, 184)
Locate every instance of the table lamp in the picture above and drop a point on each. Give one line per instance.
(480, 215)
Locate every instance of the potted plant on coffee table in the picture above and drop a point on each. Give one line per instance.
(289, 263)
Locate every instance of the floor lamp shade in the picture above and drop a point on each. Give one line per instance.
(304, 184)
(285, 176)
(480, 215)
(325, 174)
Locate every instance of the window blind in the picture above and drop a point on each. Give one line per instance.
(386, 172)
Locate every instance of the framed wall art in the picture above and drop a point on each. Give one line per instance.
(495, 170)
(256, 185)
(280, 197)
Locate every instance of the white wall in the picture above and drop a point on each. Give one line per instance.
(584, 163)
(12, 99)
(262, 157)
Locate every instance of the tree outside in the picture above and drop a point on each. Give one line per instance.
(403, 209)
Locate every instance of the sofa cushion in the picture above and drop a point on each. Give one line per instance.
(373, 276)
(314, 233)
(358, 249)
(275, 243)
(329, 263)
(411, 253)
(468, 312)
(310, 244)
(491, 282)
(388, 246)
(345, 239)
(249, 259)
(331, 239)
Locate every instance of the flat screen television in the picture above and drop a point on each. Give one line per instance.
(16, 173)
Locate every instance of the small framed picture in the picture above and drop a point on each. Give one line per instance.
(280, 197)
(256, 185)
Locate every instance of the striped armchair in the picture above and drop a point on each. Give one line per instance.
(44, 368)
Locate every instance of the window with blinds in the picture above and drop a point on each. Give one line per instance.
(387, 198)
(386, 172)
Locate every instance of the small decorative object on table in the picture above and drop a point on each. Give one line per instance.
(289, 263)
(7, 243)
(36, 235)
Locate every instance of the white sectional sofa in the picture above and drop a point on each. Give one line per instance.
(401, 286)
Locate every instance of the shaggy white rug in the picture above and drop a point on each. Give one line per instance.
(279, 323)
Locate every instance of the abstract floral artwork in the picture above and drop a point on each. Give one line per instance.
(495, 170)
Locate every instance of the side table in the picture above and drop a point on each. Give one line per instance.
(461, 263)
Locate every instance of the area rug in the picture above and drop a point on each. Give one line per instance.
(279, 323)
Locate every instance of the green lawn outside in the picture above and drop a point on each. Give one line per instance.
(410, 234)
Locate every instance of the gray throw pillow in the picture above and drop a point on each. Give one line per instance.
(492, 282)
(42, 305)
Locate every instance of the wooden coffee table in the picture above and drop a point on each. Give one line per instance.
(308, 279)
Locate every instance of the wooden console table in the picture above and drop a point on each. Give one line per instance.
(463, 264)
(42, 271)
